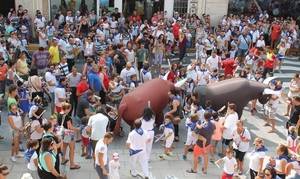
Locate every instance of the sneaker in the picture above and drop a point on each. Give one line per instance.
(162, 157)
(13, 159)
(184, 157)
(133, 174)
(88, 157)
(191, 150)
(20, 155)
(169, 154)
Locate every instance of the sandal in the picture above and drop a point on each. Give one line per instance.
(64, 162)
(75, 167)
(3, 167)
(191, 171)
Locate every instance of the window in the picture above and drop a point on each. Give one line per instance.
(181, 6)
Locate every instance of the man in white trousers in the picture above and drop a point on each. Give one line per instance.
(136, 142)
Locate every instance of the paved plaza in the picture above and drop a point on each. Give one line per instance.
(174, 166)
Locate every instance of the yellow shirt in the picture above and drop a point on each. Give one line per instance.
(54, 52)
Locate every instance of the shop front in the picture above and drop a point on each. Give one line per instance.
(145, 8)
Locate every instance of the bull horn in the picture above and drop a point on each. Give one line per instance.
(180, 83)
(269, 91)
(269, 79)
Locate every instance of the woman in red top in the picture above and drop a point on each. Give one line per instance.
(275, 33)
(3, 71)
(176, 28)
(172, 76)
(105, 83)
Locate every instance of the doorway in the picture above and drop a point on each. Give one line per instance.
(145, 8)
(5, 7)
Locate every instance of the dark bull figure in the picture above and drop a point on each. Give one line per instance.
(237, 90)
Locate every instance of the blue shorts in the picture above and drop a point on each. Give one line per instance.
(280, 57)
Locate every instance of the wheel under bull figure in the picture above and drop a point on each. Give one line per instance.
(156, 92)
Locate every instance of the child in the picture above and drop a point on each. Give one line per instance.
(292, 139)
(200, 125)
(31, 157)
(214, 76)
(282, 49)
(169, 136)
(230, 164)
(191, 140)
(162, 73)
(217, 136)
(169, 48)
(114, 167)
(133, 82)
(85, 146)
(232, 51)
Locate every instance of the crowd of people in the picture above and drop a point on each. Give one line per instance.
(120, 53)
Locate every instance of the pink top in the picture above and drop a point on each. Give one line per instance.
(218, 132)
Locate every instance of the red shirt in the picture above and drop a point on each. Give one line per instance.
(82, 87)
(254, 51)
(176, 28)
(229, 66)
(171, 76)
(3, 71)
(105, 81)
(135, 18)
(101, 62)
(276, 31)
(269, 63)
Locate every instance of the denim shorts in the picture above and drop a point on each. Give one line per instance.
(100, 172)
(68, 137)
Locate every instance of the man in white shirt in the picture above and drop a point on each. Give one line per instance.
(69, 18)
(97, 125)
(222, 43)
(213, 62)
(145, 73)
(101, 156)
(202, 75)
(127, 72)
(228, 126)
(136, 142)
(52, 83)
(39, 21)
(241, 141)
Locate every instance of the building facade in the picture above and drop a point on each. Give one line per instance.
(216, 8)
